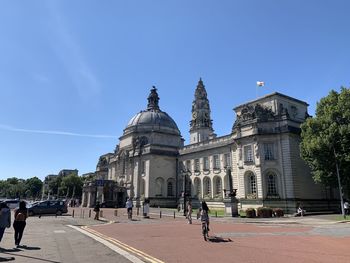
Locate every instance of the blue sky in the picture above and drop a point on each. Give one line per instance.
(72, 73)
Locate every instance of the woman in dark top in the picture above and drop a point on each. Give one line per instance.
(19, 224)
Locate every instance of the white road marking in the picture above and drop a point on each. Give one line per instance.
(115, 248)
(59, 231)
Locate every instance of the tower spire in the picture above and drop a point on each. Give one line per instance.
(201, 126)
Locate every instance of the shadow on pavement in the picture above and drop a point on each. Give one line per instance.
(29, 248)
(6, 259)
(215, 239)
(28, 257)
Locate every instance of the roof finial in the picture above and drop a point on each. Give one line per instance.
(153, 100)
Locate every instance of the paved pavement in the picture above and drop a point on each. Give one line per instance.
(163, 238)
(169, 239)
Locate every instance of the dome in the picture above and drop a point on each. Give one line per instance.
(152, 119)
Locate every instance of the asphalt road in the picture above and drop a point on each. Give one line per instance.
(50, 239)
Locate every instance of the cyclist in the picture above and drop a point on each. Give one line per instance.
(204, 213)
(128, 206)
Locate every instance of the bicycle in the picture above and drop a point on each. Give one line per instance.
(130, 213)
(205, 230)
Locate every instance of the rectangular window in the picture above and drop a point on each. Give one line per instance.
(188, 165)
(196, 165)
(227, 160)
(248, 153)
(143, 167)
(269, 151)
(216, 161)
(206, 163)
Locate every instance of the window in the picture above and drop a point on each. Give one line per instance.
(143, 167)
(206, 187)
(124, 166)
(159, 186)
(252, 183)
(271, 184)
(248, 153)
(268, 151)
(227, 159)
(216, 162)
(188, 165)
(170, 189)
(196, 165)
(218, 186)
(206, 163)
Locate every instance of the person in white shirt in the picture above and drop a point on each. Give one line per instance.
(346, 207)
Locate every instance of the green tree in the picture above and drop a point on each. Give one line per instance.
(33, 187)
(326, 140)
(72, 185)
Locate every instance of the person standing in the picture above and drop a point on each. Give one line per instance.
(97, 211)
(204, 213)
(21, 215)
(5, 218)
(189, 212)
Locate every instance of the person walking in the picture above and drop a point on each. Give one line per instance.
(21, 215)
(346, 207)
(5, 218)
(189, 212)
(97, 211)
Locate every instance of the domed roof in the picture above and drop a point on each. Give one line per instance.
(152, 119)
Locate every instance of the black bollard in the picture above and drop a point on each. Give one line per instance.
(137, 211)
(89, 212)
(216, 213)
(160, 214)
(73, 213)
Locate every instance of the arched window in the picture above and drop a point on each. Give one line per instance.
(197, 187)
(217, 185)
(170, 188)
(271, 184)
(159, 186)
(206, 187)
(251, 185)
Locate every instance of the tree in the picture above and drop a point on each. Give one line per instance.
(72, 185)
(325, 138)
(33, 187)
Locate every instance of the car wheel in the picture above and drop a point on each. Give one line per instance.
(59, 213)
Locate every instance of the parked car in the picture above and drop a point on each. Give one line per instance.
(57, 207)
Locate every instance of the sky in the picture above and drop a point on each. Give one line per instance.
(73, 73)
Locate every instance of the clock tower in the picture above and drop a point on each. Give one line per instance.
(201, 126)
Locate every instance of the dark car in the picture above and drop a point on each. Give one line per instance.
(56, 207)
(109, 204)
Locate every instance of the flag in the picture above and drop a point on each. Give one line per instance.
(260, 83)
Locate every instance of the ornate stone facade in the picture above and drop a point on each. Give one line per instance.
(259, 159)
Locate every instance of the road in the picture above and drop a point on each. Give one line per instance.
(50, 239)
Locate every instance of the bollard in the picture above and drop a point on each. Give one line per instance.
(116, 212)
(73, 213)
(174, 214)
(160, 214)
(216, 213)
(137, 211)
(101, 213)
(89, 212)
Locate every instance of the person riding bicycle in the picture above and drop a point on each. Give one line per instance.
(204, 213)
(129, 206)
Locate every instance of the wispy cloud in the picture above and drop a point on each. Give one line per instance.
(69, 51)
(14, 129)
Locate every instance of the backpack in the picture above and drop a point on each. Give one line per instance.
(20, 217)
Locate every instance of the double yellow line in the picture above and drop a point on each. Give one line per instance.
(126, 247)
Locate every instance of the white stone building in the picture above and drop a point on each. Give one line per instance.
(259, 159)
